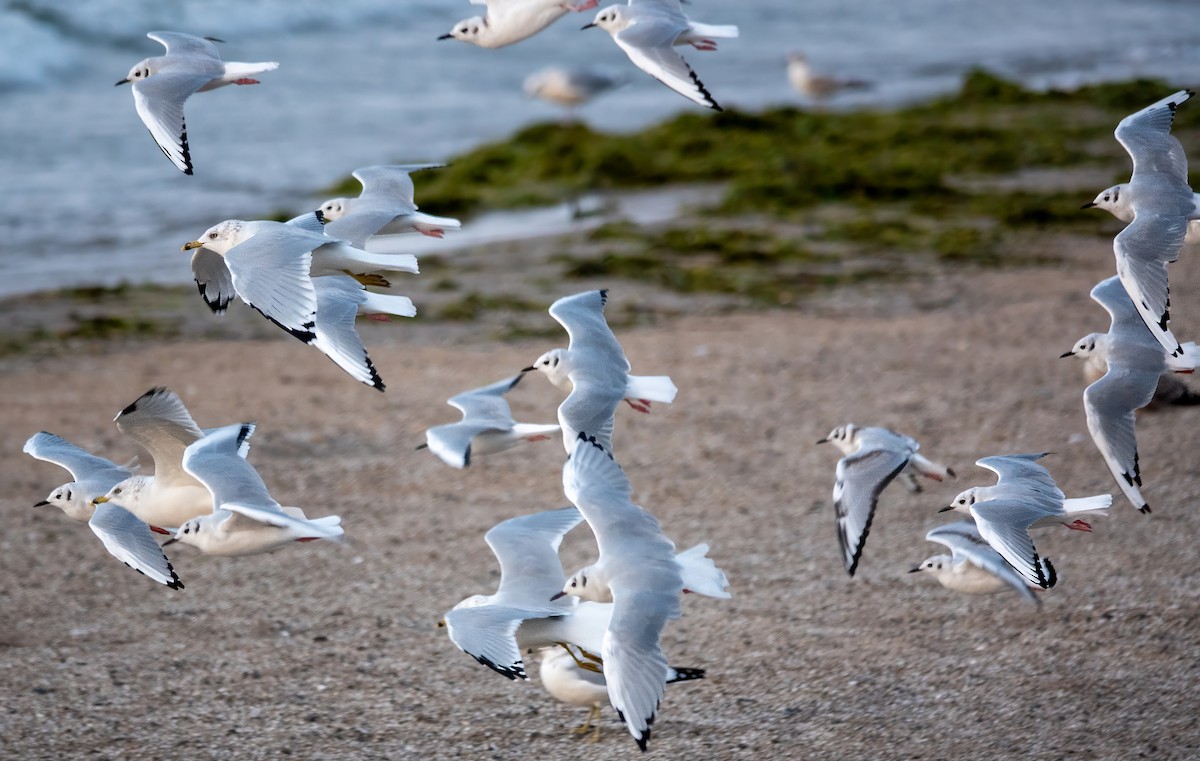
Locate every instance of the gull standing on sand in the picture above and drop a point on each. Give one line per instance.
(873, 457)
(386, 206)
(568, 682)
(973, 567)
(304, 282)
(509, 21)
(594, 368)
(162, 84)
(1019, 475)
(637, 568)
(818, 87)
(487, 426)
(245, 519)
(1136, 360)
(649, 30)
(1161, 203)
(495, 629)
(162, 425)
(570, 87)
(124, 536)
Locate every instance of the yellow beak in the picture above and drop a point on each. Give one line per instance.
(99, 500)
(192, 244)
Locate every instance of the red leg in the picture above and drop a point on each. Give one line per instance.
(641, 405)
(1079, 525)
(245, 81)
(158, 530)
(435, 233)
(379, 318)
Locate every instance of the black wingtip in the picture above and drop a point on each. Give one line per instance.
(686, 674)
(1144, 509)
(244, 433)
(603, 296)
(156, 391)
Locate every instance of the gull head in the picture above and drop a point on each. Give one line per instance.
(962, 503)
(845, 436)
(335, 208)
(555, 365)
(468, 30)
(935, 564)
(612, 19)
(188, 533)
(141, 70)
(586, 584)
(1085, 346)
(1114, 200)
(128, 493)
(71, 500)
(221, 237)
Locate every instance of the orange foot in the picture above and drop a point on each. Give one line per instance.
(158, 530)
(435, 233)
(1079, 525)
(641, 405)
(245, 81)
(379, 317)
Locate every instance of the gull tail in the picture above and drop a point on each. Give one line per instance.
(654, 388)
(930, 469)
(1100, 502)
(378, 303)
(720, 31)
(336, 258)
(700, 574)
(327, 527)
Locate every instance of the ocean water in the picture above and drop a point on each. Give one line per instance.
(90, 200)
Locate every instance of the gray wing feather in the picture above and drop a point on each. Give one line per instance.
(858, 482)
(488, 634)
(82, 464)
(650, 48)
(964, 540)
(1022, 472)
(213, 279)
(309, 221)
(161, 424)
(1004, 523)
(178, 43)
(635, 666)
(1146, 135)
(159, 101)
(129, 540)
(216, 462)
(527, 548)
(271, 273)
(338, 298)
(1143, 250)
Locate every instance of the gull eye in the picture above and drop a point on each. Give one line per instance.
(572, 584)
(212, 236)
(116, 491)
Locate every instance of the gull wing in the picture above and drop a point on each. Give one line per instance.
(213, 279)
(649, 43)
(338, 299)
(527, 548)
(1004, 523)
(161, 424)
(159, 101)
(271, 274)
(130, 540)
(859, 480)
(1143, 250)
(1022, 471)
(483, 409)
(82, 464)
(217, 462)
(178, 43)
(1146, 135)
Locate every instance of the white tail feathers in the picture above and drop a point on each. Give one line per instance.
(726, 31)
(1088, 504)
(378, 303)
(328, 527)
(700, 574)
(654, 388)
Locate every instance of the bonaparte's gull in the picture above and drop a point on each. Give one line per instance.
(305, 283)
(509, 21)
(495, 629)
(93, 475)
(386, 206)
(973, 567)
(567, 681)
(162, 84)
(569, 87)
(873, 457)
(595, 370)
(638, 569)
(124, 536)
(649, 30)
(1136, 360)
(1020, 475)
(817, 87)
(162, 425)
(245, 519)
(1161, 202)
(1171, 390)
(1116, 201)
(487, 426)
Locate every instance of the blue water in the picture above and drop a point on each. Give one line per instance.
(90, 200)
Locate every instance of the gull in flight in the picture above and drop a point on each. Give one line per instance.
(487, 426)
(245, 519)
(384, 207)
(570, 683)
(509, 21)
(1160, 203)
(594, 368)
(649, 30)
(126, 538)
(1136, 360)
(873, 457)
(162, 84)
(1020, 474)
(973, 567)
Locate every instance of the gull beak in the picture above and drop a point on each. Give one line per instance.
(122, 82)
(946, 509)
(172, 540)
(1066, 354)
(192, 244)
(446, 37)
(822, 441)
(99, 500)
(441, 624)
(43, 503)
(422, 446)
(914, 570)
(560, 594)
(1088, 205)
(587, 26)
(529, 369)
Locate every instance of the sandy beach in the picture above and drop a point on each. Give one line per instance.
(326, 652)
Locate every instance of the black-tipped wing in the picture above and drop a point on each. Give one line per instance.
(859, 480)
(130, 540)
